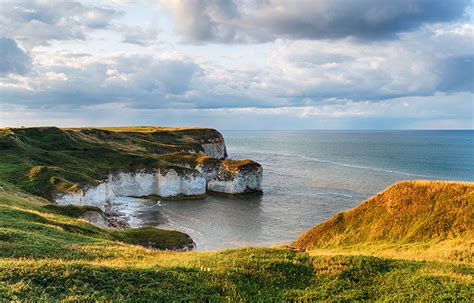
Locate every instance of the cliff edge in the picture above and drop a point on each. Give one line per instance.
(407, 213)
(89, 166)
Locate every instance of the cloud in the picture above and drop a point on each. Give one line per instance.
(75, 81)
(13, 59)
(296, 73)
(433, 112)
(328, 68)
(36, 23)
(238, 21)
(138, 35)
(435, 59)
(457, 74)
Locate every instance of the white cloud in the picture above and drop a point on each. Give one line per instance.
(137, 35)
(74, 81)
(438, 112)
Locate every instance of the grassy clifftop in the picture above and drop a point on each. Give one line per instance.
(43, 160)
(48, 256)
(406, 214)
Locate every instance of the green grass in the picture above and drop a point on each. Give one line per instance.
(249, 274)
(154, 238)
(428, 213)
(31, 226)
(75, 211)
(47, 254)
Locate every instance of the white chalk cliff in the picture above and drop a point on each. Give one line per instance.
(164, 183)
(224, 176)
(231, 178)
(237, 182)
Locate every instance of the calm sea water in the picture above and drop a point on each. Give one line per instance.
(308, 177)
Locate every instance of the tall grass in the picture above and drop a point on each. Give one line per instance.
(408, 212)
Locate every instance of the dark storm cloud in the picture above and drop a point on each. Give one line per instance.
(13, 60)
(234, 21)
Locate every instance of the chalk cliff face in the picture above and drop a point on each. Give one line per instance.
(239, 182)
(164, 183)
(215, 150)
(228, 176)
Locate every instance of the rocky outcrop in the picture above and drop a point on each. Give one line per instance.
(216, 150)
(104, 220)
(237, 177)
(232, 176)
(211, 141)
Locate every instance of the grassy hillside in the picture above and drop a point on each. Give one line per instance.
(46, 255)
(44, 160)
(411, 215)
(33, 226)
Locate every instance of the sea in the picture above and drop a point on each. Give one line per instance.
(309, 176)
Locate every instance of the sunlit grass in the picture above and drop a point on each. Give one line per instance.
(458, 251)
(46, 255)
(408, 212)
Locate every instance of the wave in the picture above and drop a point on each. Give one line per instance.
(341, 164)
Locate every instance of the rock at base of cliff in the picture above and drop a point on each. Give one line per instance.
(237, 177)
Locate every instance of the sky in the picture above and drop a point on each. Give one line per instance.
(238, 64)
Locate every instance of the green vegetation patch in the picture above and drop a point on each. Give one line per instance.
(155, 238)
(75, 211)
(34, 228)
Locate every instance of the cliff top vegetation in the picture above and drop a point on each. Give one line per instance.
(408, 217)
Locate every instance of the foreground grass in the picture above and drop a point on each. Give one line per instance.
(46, 255)
(248, 274)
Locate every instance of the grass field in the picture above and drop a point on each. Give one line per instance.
(50, 255)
